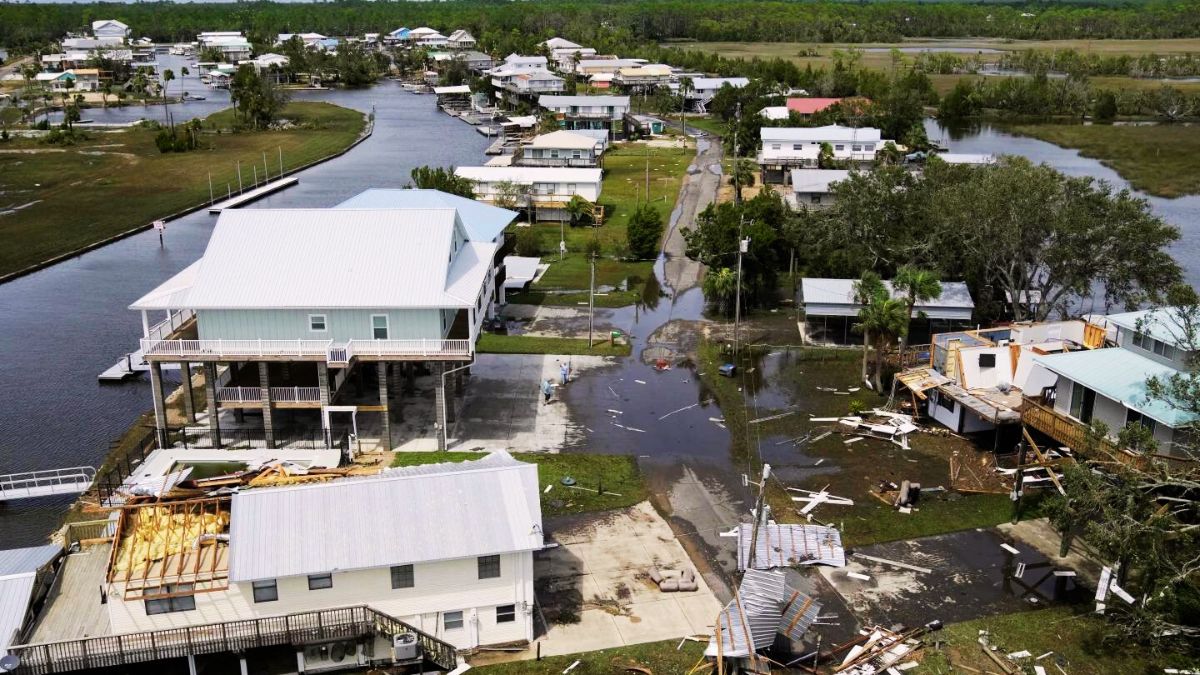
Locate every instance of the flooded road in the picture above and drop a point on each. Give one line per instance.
(65, 324)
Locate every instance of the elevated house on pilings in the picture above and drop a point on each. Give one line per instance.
(295, 314)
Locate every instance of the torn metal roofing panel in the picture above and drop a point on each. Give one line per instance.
(763, 607)
(786, 545)
(400, 516)
(18, 574)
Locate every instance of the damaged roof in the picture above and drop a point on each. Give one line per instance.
(763, 607)
(786, 545)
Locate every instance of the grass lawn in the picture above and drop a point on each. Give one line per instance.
(712, 125)
(1163, 159)
(1073, 635)
(655, 657)
(850, 470)
(490, 343)
(618, 475)
(623, 188)
(112, 182)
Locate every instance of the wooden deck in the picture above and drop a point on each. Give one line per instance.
(73, 609)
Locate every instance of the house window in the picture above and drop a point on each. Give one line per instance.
(776, 146)
(182, 600)
(317, 582)
(869, 147)
(452, 620)
(1139, 340)
(814, 198)
(265, 591)
(316, 323)
(839, 148)
(1082, 402)
(489, 567)
(1134, 417)
(796, 146)
(571, 188)
(945, 402)
(506, 613)
(856, 148)
(402, 576)
(379, 326)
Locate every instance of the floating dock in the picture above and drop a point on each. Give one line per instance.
(254, 194)
(130, 365)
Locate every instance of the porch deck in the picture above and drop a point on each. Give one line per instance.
(74, 609)
(335, 354)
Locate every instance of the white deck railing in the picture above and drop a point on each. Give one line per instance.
(162, 329)
(278, 394)
(339, 353)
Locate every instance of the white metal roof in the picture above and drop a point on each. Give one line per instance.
(775, 112)
(527, 175)
(335, 258)
(816, 180)
(401, 516)
(830, 133)
(552, 101)
(456, 89)
(560, 43)
(172, 293)
(705, 83)
(483, 222)
(468, 274)
(564, 139)
(835, 297)
(18, 573)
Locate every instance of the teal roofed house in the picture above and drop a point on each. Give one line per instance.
(1110, 385)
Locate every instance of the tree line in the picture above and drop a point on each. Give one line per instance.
(642, 20)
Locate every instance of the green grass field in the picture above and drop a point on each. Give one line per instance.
(490, 343)
(617, 475)
(623, 188)
(74, 196)
(1163, 160)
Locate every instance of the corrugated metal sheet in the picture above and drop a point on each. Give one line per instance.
(789, 545)
(330, 258)
(830, 133)
(764, 606)
(18, 573)
(401, 516)
(564, 139)
(483, 222)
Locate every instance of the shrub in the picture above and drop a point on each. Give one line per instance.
(644, 231)
(529, 244)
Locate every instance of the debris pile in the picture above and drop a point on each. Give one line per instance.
(686, 581)
(880, 650)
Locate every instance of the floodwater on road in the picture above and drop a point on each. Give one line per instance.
(65, 324)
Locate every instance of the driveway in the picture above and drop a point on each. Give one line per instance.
(698, 191)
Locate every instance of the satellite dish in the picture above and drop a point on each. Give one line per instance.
(9, 662)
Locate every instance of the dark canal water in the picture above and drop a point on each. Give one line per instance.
(63, 325)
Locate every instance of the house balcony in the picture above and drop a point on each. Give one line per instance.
(281, 397)
(571, 162)
(1039, 414)
(334, 353)
(580, 115)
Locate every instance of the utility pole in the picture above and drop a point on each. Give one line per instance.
(743, 247)
(737, 182)
(591, 299)
(647, 173)
(759, 513)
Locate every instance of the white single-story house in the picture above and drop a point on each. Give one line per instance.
(813, 188)
(835, 297)
(784, 148)
(705, 88)
(546, 190)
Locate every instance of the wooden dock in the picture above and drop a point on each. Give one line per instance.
(31, 484)
(254, 194)
(131, 365)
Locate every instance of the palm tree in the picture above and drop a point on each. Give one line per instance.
(884, 318)
(686, 86)
(742, 176)
(719, 288)
(915, 285)
(167, 76)
(866, 289)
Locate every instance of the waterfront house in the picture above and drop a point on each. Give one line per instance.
(975, 380)
(564, 58)
(561, 148)
(705, 88)
(109, 29)
(830, 309)
(1110, 385)
(461, 39)
(232, 45)
(813, 188)
(277, 323)
(86, 79)
(643, 78)
(968, 158)
(310, 40)
(544, 191)
(785, 148)
(56, 82)
(398, 36)
(524, 76)
(589, 112)
(599, 66)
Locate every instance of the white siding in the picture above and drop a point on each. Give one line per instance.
(451, 585)
(292, 324)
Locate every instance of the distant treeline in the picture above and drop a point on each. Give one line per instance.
(621, 22)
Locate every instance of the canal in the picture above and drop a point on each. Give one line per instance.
(67, 323)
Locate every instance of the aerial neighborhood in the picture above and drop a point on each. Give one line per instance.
(742, 337)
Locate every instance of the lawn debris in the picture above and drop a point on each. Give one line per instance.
(893, 563)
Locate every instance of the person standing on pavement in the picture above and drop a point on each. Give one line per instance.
(564, 369)
(547, 391)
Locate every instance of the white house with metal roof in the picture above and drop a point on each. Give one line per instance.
(287, 305)
(705, 88)
(1110, 385)
(446, 548)
(110, 28)
(813, 188)
(543, 190)
(589, 112)
(785, 148)
(561, 148)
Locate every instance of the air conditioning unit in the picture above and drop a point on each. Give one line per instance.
(405, 647)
